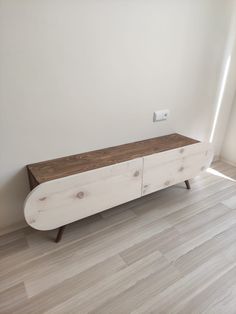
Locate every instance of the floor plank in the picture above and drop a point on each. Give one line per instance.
(13, 297)
(70, 287)
(218, 298)
(169, 252)
(174, 298)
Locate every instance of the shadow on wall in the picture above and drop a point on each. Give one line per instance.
(12, 196)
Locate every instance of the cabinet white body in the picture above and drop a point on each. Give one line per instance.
(61, 201)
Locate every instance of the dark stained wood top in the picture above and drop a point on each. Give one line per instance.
(65, 166)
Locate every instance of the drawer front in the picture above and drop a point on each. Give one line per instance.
(62, 201)
(175, 166)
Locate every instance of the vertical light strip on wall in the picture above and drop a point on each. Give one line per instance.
(220, 98)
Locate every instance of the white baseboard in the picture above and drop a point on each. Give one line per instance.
(228, 162)
(13, 228)
(216, 158)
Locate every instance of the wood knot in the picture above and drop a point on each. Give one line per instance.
(181, 150)
(181, 169)
(167, 183)
(32, 221)
(136, 174)
(43, 198)
(203, 168)
(80, 195)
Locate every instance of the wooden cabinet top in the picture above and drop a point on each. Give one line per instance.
(65, 166)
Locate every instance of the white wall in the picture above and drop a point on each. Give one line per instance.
(226, 86)
(76, 75)
(228, 152)
(228, 133)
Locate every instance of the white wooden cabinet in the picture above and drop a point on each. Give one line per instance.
(71, 188)
(174, 166)
(59, 202)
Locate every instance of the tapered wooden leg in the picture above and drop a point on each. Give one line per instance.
(187, 184)
(59, 234)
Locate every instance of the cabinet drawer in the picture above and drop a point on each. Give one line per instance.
(174, 166)
(62, 201)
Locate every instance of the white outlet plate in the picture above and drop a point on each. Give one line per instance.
(161, 115)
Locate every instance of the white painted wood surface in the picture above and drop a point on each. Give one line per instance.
(58, 202)
(174, 166)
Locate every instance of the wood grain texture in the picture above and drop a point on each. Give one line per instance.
(59, 202)
(15, 296)
(174, 166)
(169, 252)
(66, 166)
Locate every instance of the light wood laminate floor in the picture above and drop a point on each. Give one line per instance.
(170, 252)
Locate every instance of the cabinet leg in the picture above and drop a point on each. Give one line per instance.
(59, 234)
(187, 184)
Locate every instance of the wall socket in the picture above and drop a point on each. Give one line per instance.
(161, 115)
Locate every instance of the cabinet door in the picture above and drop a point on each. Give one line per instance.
(171, 167)
(62, 201)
